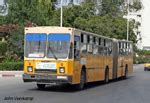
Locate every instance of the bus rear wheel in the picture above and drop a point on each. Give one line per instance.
(80, 86)
(41, 86)
(126, 73)
(106, 76)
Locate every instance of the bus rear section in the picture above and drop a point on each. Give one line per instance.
(122, 58)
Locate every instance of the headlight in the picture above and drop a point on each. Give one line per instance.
(30, 69)
(62, 70)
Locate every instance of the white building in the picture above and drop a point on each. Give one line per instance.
(145, 26)
(143, 32)
(3, 7)
(67, 2)
(137, 16)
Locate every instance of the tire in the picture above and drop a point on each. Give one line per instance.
(106, 76)
(80, 86)
(145, 69)
(41, 86)
(126, 73)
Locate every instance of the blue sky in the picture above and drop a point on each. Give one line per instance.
(1, 2)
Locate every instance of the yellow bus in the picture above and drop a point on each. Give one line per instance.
(68, 55)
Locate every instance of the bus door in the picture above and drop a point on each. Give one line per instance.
(77, 48)
(77, 66)
(115, 59)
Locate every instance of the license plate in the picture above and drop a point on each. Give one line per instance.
(46, 65)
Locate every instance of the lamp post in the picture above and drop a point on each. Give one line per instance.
(61, 15)
(127, 20)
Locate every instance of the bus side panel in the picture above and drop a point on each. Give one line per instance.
(127, 60)
(120, 66)
(99, 65)
(76, 72)
(70, 67)
(95, 67)
(110, 66)
(130, 63)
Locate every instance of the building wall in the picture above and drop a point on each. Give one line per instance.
(67, 2)
(146, 24)
(3, 8)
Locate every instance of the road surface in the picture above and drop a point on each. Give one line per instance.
(135, 89)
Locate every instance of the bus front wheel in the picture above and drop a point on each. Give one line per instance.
(106, 76)
(82, 80)
(126, 73)
(41, 86)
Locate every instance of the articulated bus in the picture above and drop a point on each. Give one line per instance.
(68, 55)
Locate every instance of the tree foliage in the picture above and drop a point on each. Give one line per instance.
(37, 11)
(108, 22)
(112, 7)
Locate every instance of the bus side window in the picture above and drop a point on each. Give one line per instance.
(91, 39)
(123, 47)
(100, 50)
(127, 48)
(130, 48)
(104, 42)
(76, 47)
(71, 51)
(101, 47)
(90, 44)
(105, 47)
(95, 50)
(83, 43)
(94, 40)
(95, 47)
(120, 48)
(88, 39)
(110, 47)
(82, 38)
(99, 41)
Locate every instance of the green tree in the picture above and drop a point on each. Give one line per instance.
(37, 11)
(108, 22)
(136, 6)
(15, 42)
(112, 7)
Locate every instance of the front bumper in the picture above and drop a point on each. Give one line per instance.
(47, 78)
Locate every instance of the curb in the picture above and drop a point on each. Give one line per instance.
(11, 73)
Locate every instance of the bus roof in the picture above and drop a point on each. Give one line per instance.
(65, 29)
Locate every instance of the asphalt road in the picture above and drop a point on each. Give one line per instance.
(135, 89)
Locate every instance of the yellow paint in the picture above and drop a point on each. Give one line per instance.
(147, 65)
(68, 65)
(95, 68)
(95, 64)
(122, 62)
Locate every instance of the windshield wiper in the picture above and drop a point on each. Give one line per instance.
(52, 52)
(39, 44)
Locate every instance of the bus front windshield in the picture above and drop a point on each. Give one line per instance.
(58, 45)
(35, 45)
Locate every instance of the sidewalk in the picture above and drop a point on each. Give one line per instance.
(11, 73)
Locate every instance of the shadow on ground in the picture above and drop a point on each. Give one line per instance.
(66, 88)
